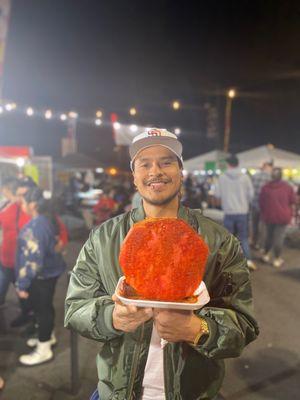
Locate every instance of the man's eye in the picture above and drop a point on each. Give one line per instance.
(166, 163)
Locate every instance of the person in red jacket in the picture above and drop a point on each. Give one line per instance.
(276, 202)
(11, 221)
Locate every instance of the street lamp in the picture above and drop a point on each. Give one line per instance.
(229, 97)
(176, 105)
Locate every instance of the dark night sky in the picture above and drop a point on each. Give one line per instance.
(112, 54)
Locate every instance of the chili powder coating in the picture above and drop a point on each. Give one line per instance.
(163, 259)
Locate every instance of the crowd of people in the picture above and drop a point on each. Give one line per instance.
(257, 208)
(33, 240)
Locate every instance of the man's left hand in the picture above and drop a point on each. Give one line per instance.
(176, 325)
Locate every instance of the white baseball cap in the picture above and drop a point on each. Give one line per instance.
(155, 137)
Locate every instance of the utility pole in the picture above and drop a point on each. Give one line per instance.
(227, 128)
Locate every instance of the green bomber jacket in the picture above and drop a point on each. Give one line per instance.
(190, 372)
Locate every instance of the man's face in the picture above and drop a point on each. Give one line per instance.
(157, 175)
(20, 193)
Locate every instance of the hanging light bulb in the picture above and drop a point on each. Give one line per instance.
(176, 105)
(133, 111)
(29, 111)
(48, 114)
(98, 121)
(133, 128)
(63, 117)
(73, 114)
(99, 114)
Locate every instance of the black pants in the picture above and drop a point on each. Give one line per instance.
(275, 238)
(41, 293)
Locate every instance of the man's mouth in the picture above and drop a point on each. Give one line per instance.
(157, 185)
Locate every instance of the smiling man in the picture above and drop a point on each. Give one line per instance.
(132, 365)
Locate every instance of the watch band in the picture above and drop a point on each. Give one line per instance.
(204, 332)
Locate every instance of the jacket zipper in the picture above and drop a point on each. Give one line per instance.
(135, 362)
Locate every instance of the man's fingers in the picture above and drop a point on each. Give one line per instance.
(116, 299)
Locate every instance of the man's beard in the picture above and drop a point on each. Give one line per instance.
(162, 202)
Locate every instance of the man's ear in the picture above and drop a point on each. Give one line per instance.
(133, 178)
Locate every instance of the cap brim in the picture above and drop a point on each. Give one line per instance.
(172, 144)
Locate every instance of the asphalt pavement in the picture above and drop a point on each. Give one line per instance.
(269, 368)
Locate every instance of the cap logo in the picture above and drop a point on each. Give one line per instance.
(154, 132)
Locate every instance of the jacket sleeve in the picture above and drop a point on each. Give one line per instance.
(88, 308)
(230, 312)
(31, 256)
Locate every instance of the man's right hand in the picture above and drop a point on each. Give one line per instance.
(129, 318)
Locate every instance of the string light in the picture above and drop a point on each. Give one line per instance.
(29, 111)
(64, 116)
(133, 128)
(73, 114)
(176, 105)
(48, 114)
(8, 107)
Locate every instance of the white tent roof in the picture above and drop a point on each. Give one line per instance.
(198, 163)
(254, 158)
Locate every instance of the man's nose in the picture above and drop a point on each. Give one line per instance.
(155, 169)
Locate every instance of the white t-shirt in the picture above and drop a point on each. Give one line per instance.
(153, 382)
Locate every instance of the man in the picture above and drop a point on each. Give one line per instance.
(131, 363)
(258, 227)
(276, 202)
(234, 191)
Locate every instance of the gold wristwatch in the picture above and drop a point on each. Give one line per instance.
(202, 334)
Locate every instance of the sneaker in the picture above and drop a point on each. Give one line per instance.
(266, 258)
(32, 342)
(277, 263)
(251, 265)
(41, 354)
(21, 320)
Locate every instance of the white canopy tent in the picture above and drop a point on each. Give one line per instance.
(254, 158)
(199, 163)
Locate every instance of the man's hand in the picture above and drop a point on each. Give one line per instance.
(129, 318)
(176, 325)
(22, 294)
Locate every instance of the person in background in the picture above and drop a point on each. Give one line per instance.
(105, 207)
(234, 191)
(10, 225)
(26, 314)
(131, 362)
(258, 227)
(276, 202)
(2, 383)
(38, 267)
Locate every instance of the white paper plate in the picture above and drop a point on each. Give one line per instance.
(201, 292)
